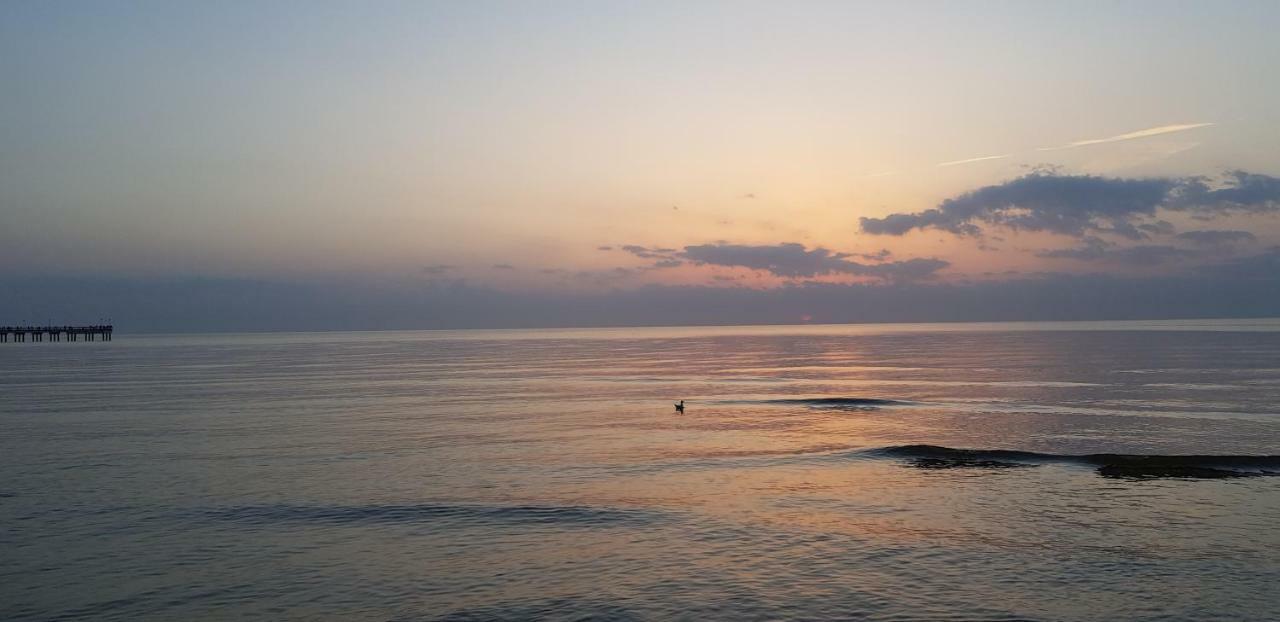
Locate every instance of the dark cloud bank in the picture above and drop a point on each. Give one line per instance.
(1247, 287)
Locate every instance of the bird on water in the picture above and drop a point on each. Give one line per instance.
(680, 407)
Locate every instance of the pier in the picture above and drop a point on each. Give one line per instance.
(19, 334)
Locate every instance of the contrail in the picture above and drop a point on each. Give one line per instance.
(1151, 131)
(983, 158)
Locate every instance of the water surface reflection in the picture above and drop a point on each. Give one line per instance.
(517, 475)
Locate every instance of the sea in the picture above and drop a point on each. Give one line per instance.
(1010, 471)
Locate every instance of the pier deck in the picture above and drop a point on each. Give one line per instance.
(19, 334)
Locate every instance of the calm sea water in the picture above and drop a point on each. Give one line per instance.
(545, 475)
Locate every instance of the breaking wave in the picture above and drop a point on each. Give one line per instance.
(1108, 465)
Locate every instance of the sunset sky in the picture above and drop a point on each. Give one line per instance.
(373, 165)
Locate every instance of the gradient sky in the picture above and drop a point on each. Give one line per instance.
(424, 153)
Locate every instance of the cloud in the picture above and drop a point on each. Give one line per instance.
(1151, 131)
(649, 253)
(1238, 191)
(1092, 248)
(503, 266)
(1096, 249)
(880, 255)
(1242, 287)
(787, 259)
(1207, 243)
(915, 269)
(1217, 237)
(793, 260)
(604, 274)
(604, 248)
(971, 160)
(1150, 254)
(1264, 266)
(438, 268)
(1159, 227)
(1080, 205)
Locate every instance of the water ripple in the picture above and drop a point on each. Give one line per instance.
(471, 514)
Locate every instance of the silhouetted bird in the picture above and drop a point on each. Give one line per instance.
(680, 407)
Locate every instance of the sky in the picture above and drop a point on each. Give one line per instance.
(343, 165)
